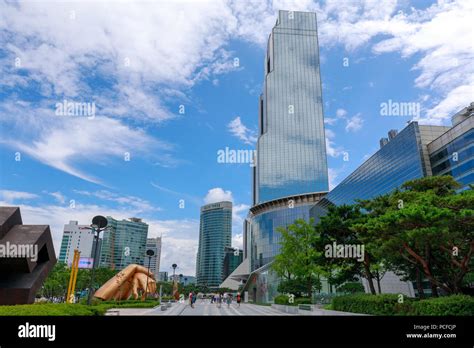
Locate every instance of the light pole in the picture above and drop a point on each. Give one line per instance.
(150, 253)
(174, 280)
(99, 223)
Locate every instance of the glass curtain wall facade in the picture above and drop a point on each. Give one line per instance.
(215, 235)
(123, 243)
(403, 158)
(291, 150)
(453, 152)
(265, 237)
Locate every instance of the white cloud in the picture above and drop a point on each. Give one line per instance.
(60, 198)
(238, 129)
(238, 240)
(137, 204)
(13, 196)
(331, 148)
(354, 123)
(217, 194)
(332, 176)
(341, 113)
(66, 142)
(330, 121)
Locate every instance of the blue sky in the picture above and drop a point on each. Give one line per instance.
(139, 62)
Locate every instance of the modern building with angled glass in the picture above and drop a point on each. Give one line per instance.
(291, 173)
(123, 243)
(215, 236)
(404, 157)
(453, 152)
(417, 151)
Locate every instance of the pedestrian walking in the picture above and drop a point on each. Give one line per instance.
(194, 298)
(191, 299)
(229, 300)
(219, 300)
(239, 299)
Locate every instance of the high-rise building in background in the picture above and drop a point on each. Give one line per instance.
(123, 243)
(155, 245)
(162, 276)
(291, 172)
(79, 237)
(183, 279)
(232, 259)
(215, 234)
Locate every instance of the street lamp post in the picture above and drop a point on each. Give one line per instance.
(150, 253)
(99, 223)
(174, 279)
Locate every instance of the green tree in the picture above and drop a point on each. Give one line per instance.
(338, 227)
(428, 225)
(297, 257)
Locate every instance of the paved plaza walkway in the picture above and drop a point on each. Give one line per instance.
(205, 308)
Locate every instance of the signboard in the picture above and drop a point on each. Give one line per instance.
(85, 262)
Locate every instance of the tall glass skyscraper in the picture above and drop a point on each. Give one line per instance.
(291, 167)
(123, 243)
(215, 236)
(291, 149)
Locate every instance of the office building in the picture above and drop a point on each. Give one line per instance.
(123, 243)
(79, 237)
(291, 173)
(162, 276)
(215, 234)
(453, 152)
(154, 244)
(404, 157)
(417, 151)
(183, 279)
(233, 258)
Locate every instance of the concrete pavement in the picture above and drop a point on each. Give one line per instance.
(205, 308)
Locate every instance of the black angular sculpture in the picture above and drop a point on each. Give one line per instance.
(20, 276)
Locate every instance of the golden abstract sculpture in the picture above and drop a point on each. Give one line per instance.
(128, 281)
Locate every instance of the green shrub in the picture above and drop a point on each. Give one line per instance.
(387, 304)
(302, 300)
(449, 305)
(384, 304)
(285, 300)
(47, 309)
(63, 309)
(281, 300)
(351, 287)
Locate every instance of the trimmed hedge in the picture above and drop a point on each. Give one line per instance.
(63, 309)
(387, 304)
(449, 305)
(285, 300)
